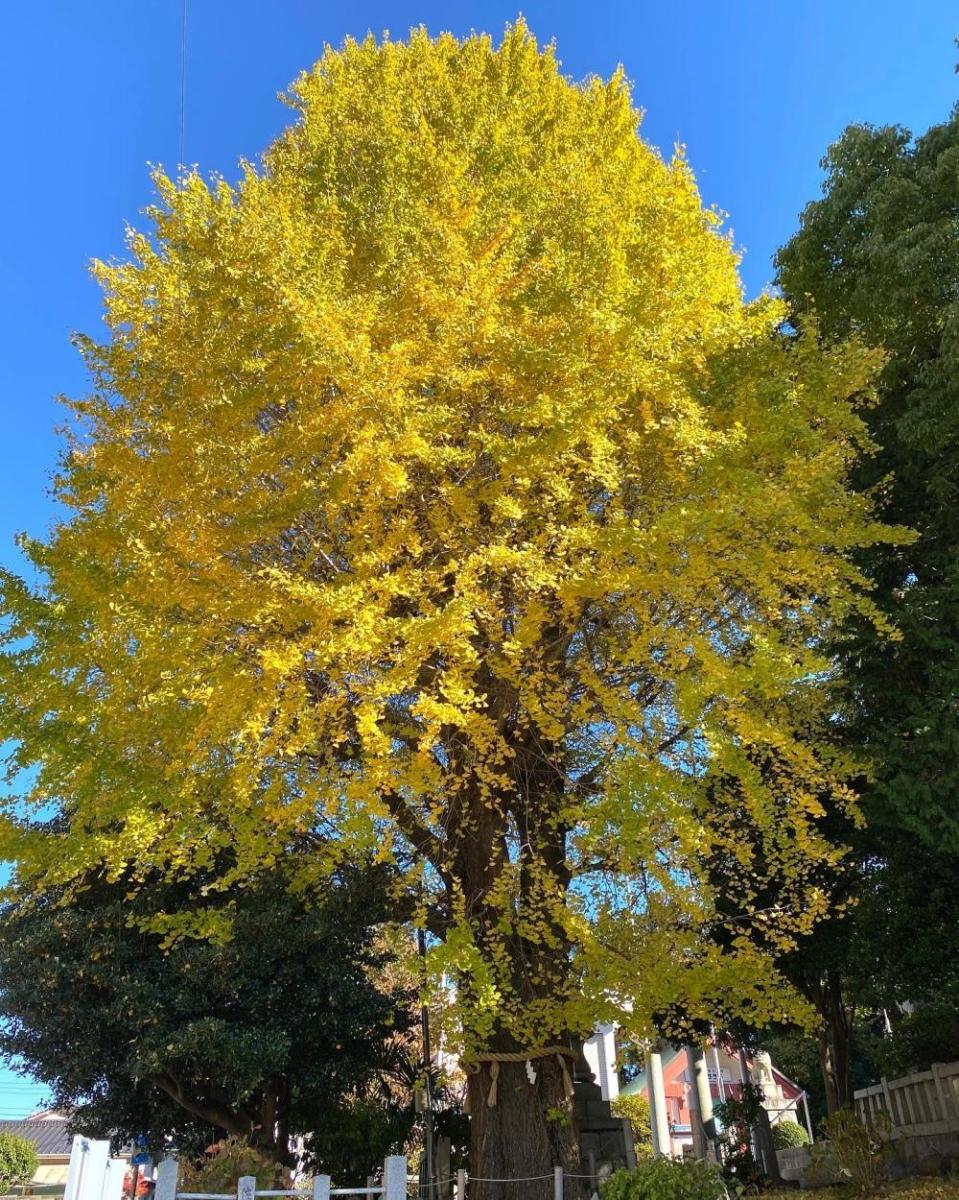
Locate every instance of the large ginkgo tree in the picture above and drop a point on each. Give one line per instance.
(439, 493)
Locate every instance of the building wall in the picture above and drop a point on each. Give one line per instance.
(52, 1169)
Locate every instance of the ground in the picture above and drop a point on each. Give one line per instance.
(907, 1189)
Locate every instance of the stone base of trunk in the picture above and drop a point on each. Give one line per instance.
(606, 1142)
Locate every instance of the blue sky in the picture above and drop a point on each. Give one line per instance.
(90, 92)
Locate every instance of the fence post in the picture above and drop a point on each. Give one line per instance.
(167, 1172)
(321, 1187)
(557, 1183)
(461, 1184)
(394, 1177)
(246, 1188)
(113, 1179)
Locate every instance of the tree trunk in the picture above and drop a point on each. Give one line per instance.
(834, 1043)
(527, 1132)
(763, 1134)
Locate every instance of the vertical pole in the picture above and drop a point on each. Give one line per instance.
(744, 1072)
(700, 1147)
(394, 1177)
(720, 1086)
(651, 1102)
(111, 1187)
(246, 1188)
(557, 1183)
(805, 1108)
(461, 1184)
(167, 1172)
(657, 1089)
(705, 1093)
(428, 1063)
(321, 1187)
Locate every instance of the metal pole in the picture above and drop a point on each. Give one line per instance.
(461, 1184)
(805, 1106)
(428, 1060)
(557, 1183)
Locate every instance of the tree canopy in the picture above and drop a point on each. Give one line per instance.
(439, 493)
(286, 1029)
(878, 256)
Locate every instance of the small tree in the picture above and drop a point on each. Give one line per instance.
(18, 1160)
(635, 1108)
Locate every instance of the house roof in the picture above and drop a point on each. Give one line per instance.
(48, 1134)
(637, 1085)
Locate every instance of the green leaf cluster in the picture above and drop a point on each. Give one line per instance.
(273, 1032)
(18, 1160)
(666, 1179)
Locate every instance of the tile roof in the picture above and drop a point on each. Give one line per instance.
(49, 1135)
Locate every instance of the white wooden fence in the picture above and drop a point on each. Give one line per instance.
(393, 1186)
(927, 1102)
(93, 1174)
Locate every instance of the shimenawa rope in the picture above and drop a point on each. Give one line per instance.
(561, 1053)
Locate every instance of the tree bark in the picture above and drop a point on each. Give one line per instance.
(528, 1131)
(261, 1131)
(834, 1043)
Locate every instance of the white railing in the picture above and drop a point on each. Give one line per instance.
(393, 1186)
(926, 1102)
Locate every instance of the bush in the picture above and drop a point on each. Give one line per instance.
(666, 1179)
(858, 1150)
(18, 1160)
(227, 1162)
(635, 1109)
(788, 1134)
(737, 1115)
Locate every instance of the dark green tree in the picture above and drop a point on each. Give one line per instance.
(279, 1031)
(878, 257)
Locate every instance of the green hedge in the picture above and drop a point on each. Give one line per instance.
(666, 1179)
(787, 1135)
(18, 1160)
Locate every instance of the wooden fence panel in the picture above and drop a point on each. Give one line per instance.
(925, 1102)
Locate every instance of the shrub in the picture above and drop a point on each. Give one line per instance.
(737, 1115)
(666, 1179)
(788, 1134)
(18, 1160)
(227, 1162)
(858, 1150)
(635, 1109)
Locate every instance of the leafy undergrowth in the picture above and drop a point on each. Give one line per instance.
(907, 1189)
